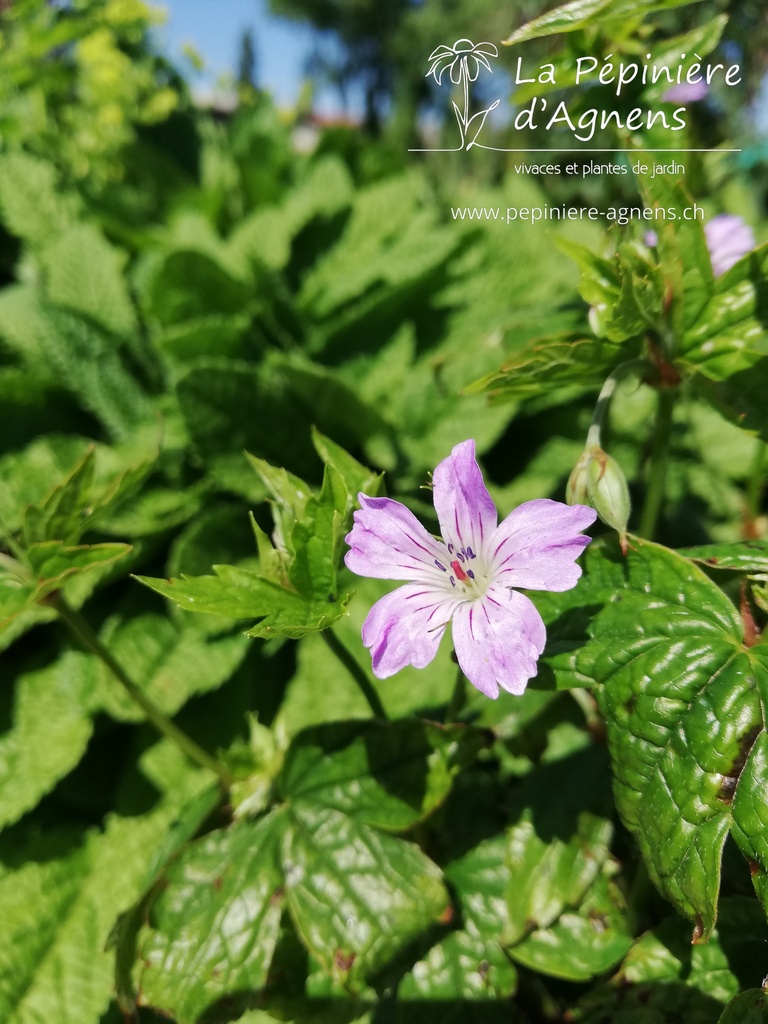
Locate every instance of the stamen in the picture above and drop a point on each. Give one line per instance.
(460, 574)
(470, 574)
(471, 553)
(440, 566)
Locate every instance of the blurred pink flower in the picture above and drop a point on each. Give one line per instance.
(728, 239)
(686, 92)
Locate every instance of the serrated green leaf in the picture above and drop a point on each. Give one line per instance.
(215, 924)
(84, 273)
(59, 516)
(34, 206)
(559, 842)
(461, 967)
(389, 775)
(242, 594)
(50, 729)
(664, 979)
(680, 697)
(580, 14)
(52, 561)
(355, 476)
(57, 911)
(747, 556)
(185, 284)
(571, 360)
(357, 897)
(581, 943)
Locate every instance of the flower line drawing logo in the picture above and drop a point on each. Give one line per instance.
(463, 61)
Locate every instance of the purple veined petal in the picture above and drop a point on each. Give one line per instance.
(388, 542)
(405, 627)
(498, 639)
(464, 507)
(537, 545)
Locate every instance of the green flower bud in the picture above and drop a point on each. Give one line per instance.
(597, 480)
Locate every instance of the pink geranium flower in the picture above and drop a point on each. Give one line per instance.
(468, 576)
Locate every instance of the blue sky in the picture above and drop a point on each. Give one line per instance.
(214, 27)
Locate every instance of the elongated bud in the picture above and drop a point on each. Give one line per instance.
(597, 480)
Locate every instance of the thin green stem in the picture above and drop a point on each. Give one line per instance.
(756, 482)
(88, 638)
(657, 474)
(458, 698)
(606, 394)
(7, 536)
(363, 682)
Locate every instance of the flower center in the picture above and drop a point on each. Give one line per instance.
(460, 573)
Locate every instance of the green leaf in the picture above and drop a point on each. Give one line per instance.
(33, 205)
(57, 910)
(664, 979)
(683, 254)
(581, 943)
(747, 556)
(53, 561)
(580, 14)
(241, 594)
(72, 351)
(683, 704)
(215, 924)
(571, 360)
(60, 515)
(559, 842)
(357, 897)
(355, 476)
(726, 348)
(389, 775)
(173, 664)
(84, 273)
(50, 729)
(461, 967)
(186, 284)
(749, 1007)
(718, 968)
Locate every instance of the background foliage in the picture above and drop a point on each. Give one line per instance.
(210, 341)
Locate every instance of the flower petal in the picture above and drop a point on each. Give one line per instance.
(458, 69)
(388, 542)
(498, 640)
(481, 60)
(442, 51)
(464, 507)
(537, 545)
(487, 48)
(405, 628)
(440, 65)
(473, 68)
